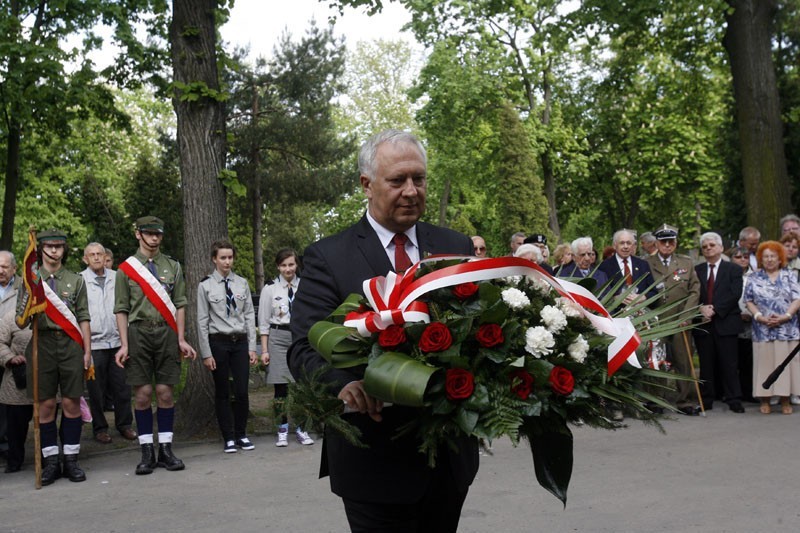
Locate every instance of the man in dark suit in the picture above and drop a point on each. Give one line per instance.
(716, 336)
(623, 264)
(387, 486)
(581, 266)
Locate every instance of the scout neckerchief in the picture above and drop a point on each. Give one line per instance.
(152, 289)
(58, 312)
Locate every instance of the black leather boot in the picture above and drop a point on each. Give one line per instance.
(72, 471)
(51, 469)
(166, 459)
(148, 463)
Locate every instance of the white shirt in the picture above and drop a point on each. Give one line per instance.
(620, 262)
(716, 268)
(386, 236)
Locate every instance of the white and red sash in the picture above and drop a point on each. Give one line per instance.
(58, 312)
(152, 289)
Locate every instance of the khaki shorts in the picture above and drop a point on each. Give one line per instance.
(153, 352)
(60, 365)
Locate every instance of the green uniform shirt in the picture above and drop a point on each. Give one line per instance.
(72, 291)
(129, 297)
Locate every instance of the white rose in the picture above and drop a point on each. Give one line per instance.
(515, 298)
(553, 318)
(539, 341)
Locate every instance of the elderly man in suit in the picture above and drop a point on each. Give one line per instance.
(624, 265)
(581, 266)
(387, 486)
(717, 334)
(680, 283)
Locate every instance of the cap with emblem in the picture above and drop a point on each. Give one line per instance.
(666, 232)
(536, 238)
(151, 224)
(52, 236)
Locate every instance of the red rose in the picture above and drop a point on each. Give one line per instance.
(521, 383)
(489, 335)
(392, 336)
(458, 384)
(561, 380)
(435, 338)
(465, 290)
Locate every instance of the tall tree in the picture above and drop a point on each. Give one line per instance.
(200, 109)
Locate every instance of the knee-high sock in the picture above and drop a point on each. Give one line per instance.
(49, 434)
(144, 423)
(166, 421)
(72, 434)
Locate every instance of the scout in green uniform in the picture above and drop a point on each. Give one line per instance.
(62, 360)
(151, 348)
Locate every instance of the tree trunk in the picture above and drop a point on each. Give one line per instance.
(443, 202)
(758, 113)
(12, 185)
(257, 202)
(547, 165)
(201, 144)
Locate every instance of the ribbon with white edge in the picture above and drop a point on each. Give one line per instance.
(152, 288)
(58, 312)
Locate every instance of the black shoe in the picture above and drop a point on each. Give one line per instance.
(72, 471)
(737, 407)
(690, 410)
(51, 469)
(167, 460)
(148, 463)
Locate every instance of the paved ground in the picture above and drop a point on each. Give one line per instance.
(723, 473)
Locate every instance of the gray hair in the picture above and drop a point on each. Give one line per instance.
(93, 245)
(647, 236)
(10, 257)
(369, 150)
(747, 231)
(711, 236)
(582, 241)
(518, 234)
(791, 217)
(529, 249)
(618, 234)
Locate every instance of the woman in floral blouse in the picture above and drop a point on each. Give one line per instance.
(772, 296)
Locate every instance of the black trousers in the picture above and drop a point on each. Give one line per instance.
(232, 360)
(438, 511)
(18, 418)
(109, 378)
(719, 367)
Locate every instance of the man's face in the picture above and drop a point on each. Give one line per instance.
(95, 258)
(625, 245)
(516, 242)
(7, 269)
(711, 250)
(584, 257)
(397, 195)
(288, 268)
(223, 261)
(666, 247)
(479, 245)
(108, 260)
(790, 225)
(648, 247)
(750, 242)
(149, 240)
(52, 253)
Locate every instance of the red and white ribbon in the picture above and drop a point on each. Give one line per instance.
(394, 299)
(152, 289)
(58, 312)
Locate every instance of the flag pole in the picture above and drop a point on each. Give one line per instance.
(694, 375)
(37, 436)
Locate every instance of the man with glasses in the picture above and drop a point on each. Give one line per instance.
(581, 266)
(479, 245)
(676, 274)
(789, 223)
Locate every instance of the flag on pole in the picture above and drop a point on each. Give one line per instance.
(33, 300)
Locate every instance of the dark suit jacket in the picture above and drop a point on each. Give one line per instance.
(572, 271)
(727, 291)
(390, 470)
(640, 271)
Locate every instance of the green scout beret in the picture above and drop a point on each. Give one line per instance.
(52, 236)
(150, 223)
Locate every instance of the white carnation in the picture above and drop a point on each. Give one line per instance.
(553, 318)
(539, 341)
(569, 308)
(515, 298)
(539, 284)
(579, 349)
(513, 280)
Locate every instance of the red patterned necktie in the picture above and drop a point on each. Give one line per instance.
(627, 272)
(710, 284)
(401, 260)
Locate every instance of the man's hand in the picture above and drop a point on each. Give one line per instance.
(210, 363)
(187, 351)
(87, 360)
(356, 398)
(121, 356)
(707, 311)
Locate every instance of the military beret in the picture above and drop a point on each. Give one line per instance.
(666, 232)
(536, 238)
(51, 235)
(150, 223)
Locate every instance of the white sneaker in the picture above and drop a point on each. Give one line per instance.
(303, 438)
(795, 399)
(245, 444)
(230, 447)
(283, 439)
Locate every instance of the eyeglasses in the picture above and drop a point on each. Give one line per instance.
(480, 248)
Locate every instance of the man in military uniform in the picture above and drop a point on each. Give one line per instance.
(64, 353)
(680, 282)
(150, 301)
